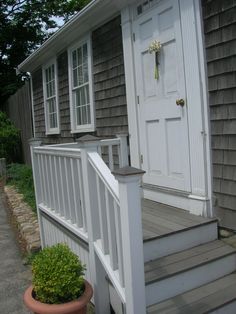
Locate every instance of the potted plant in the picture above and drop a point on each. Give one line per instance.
(58, 286)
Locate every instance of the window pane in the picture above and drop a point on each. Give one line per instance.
(75, 78)
(78, 116)
(53, 71)
(82, 93)
(85, 72)
(53, 87)
(87, 94)
(79, 51)
(85, 53)
(80, 75)
(84, 115)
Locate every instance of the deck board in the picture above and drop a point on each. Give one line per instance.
(188, 259)
(160, 220)
(200, 300)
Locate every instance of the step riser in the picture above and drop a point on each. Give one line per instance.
(174, 285)
(227, 309)
(179, 241)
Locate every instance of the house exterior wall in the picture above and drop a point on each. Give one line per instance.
(220, 41)
(108, 87)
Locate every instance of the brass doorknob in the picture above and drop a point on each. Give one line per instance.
(180, 102)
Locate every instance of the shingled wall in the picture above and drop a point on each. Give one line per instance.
(109, 88)
(220, 40)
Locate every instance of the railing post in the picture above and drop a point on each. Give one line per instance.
(132, 238)
(87, 144)
(35, 142)
(124, 153)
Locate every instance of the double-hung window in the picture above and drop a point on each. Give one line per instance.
(80, 78)
(51, 98)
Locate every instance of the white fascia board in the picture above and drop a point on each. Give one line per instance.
(88, 18)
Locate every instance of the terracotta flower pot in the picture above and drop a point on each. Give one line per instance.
(74, 307)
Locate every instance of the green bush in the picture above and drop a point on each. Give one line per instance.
(9, 139)
(21, 177)
(57, 275)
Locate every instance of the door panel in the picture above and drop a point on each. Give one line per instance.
(163, 126)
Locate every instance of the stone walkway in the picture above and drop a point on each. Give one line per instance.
(14, 276)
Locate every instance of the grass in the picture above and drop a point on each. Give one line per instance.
(21, 177)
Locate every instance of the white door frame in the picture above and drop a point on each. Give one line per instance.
(199, 201)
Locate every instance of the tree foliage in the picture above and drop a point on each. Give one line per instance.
(24, 25)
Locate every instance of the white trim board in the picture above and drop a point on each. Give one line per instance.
(199, 200)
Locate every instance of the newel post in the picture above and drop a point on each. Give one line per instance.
(35, 142)
(89, 143)
(132, 238)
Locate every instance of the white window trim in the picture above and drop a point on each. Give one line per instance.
(50, 131)
(88, 127)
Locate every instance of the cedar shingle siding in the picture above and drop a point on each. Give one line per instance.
(220, 40)
(109, 79)
(109, 88)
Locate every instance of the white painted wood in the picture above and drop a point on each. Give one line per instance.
(206, 107)
(179, 241)
(119, 244)
(49, 130)
(113, 276)
(111, 230)
(131, 95)
(56, 184)
(81, 194)
(68, 205)
(111, 161)
(101, 291)
(163, 124)
(35, 169)
(105, 174)
(115, 300)
(174, 285)
(77, 208)
(192, 203)
(123, 150)
(131, 224)
(65, 223)
(90, 126)
(197, 129)
(102, 215)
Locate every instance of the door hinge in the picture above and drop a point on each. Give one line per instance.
(138, 100)
(141, 159)
(133, 36)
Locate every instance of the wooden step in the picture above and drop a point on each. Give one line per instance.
(218, 295)
(179, 272)
(167, 230)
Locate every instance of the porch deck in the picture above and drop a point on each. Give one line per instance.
(160, 220)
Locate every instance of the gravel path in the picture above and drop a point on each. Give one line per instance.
(14, 276)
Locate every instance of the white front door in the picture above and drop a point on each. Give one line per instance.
(163, 125)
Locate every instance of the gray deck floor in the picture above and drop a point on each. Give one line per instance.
(160, 220)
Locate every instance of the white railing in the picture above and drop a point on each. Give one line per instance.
(113, 151)
(75, 187)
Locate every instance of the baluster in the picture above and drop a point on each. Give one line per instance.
(57, 192)
(77, 207)
(110, 158)
(111, 228)
(67, 191)
(102, 215)
(63, 207)
(52, 180)
(42, 195)
(49, 192)
(119, 242)
(81, 194)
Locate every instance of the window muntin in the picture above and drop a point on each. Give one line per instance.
(50, 98)
(80, 86)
